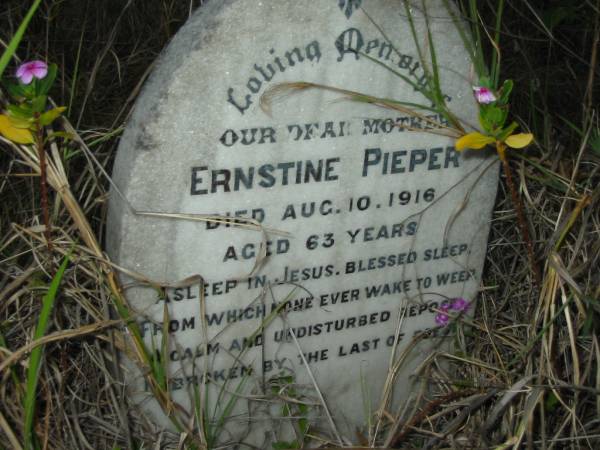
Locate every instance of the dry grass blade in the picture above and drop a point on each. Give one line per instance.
(317, 389)
(280, 91)
(54, 337)
(12, 438)
(503, 403)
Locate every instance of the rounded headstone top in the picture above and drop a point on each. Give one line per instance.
(364, 220)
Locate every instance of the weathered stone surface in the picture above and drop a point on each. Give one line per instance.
(369, 228)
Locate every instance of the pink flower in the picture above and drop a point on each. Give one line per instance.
(442, 319)
(30, 70)
(483, 95)
(460, 304)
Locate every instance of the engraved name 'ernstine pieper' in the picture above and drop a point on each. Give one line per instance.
(366, 228)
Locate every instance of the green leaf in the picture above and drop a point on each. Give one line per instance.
(16, 91)
(485, 82)
(519, 140)
(594, 141)
(22, 111)
(495, 115)
(16, 39)
(50, 116)
(303, 424)
(474, 141)
(551, 402)
(21, 123)
(507, 131)
(284, 445)
(13, 133)
(492, 117)
(555, 16)
(487, 126)
(507, 88)
(588, 325)
(38, 104)
(62, 134)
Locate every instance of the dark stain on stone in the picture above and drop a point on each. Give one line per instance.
(144, 140)
(211, 22)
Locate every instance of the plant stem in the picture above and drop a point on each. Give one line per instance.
(501, 148)
(39, 142)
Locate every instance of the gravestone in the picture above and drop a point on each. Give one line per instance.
(349, 225)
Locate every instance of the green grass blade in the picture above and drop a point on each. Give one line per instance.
(422, 89)
(435, 76)
(162, 367)
(13, 372)
(198, 411)
(433, 91)
(571, 125)
(496, 55)
(233, 399)
(381, 31)
(16, 39)
(76, 73)
(415, 36)
(523, 354)
(36, 356)
(366, 398)
(479, 60)
(464, 35)
(211, 431)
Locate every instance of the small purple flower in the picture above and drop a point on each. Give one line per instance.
(30, 70)
(483, 95)
(460, 304)
(442, 319)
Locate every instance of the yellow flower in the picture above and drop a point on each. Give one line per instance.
(13, 132)
(477, 141)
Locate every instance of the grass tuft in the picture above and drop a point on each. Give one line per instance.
(33, 371)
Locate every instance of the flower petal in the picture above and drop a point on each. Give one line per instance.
(21, 70)
(39, 69)
(460, 304)
(474, 141)
(27, 71)
(483, 95)
(38, 63)
(519, 140)
(12, 133)
(26, 77)
(442, 319)
(40, 72)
